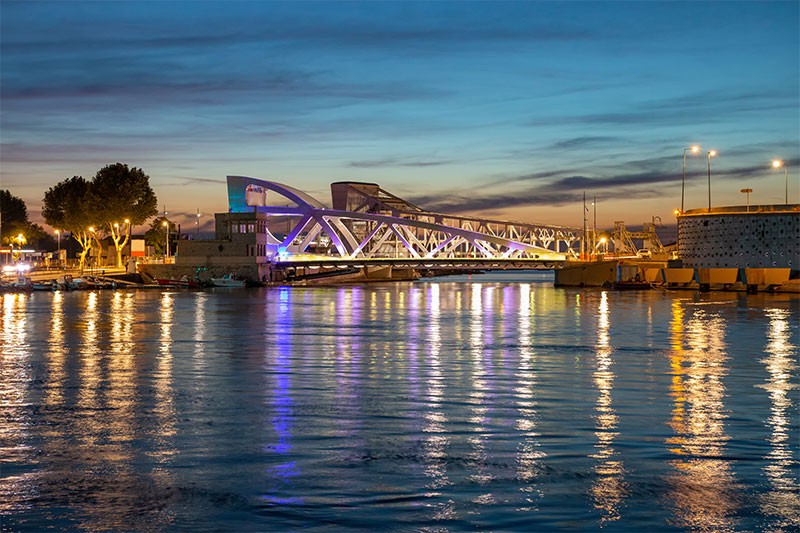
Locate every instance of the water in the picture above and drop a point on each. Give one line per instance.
(458, 405)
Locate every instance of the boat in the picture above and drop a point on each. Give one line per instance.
(183, 283)
(228, 280)
(44, 286)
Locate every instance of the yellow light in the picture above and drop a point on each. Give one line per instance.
(116, 224)
(695, 149)
(58, 232)
(164, 223)
(127, 221)
(91, 228)
(777, 163)
(602, 240)
(676, 212)
(712, 153)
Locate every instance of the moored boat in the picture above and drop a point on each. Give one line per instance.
(183, 283)
(228, 280)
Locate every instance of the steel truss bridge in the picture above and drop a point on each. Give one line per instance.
(368, 226)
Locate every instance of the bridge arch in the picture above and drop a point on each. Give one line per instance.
(315, 231)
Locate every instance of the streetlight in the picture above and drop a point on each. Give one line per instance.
(20, 242)
(778, 164)
(694, 149)
(58, 238)
(198, 222)
(747, 192)
(91, 230)
(166, 238)
(711, 153)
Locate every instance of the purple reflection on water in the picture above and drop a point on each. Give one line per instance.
(282, 411)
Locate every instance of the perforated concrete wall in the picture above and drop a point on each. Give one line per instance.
(740, 240)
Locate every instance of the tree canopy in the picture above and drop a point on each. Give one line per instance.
(14, 220)
(116, 198)
(123, 193)
(68, 205)
(13, 215)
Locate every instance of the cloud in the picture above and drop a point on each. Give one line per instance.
(703, 107)
(585, 142)
(396, 162)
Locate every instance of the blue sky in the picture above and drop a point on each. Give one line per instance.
(507, 110)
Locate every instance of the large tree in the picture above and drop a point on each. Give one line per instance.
(13, 216)
(69, 205)
(123, 198)
(156, 236)
(14, 221)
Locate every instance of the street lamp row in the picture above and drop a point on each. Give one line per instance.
(777, 163)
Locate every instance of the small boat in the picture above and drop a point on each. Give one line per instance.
(183, 283)
(228, 280)
(22, 284)
(44, 286)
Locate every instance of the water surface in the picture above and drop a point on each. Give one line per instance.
(459, 405)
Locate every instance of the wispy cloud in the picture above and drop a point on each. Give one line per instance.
(397, 162)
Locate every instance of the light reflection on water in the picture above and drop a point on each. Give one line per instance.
(438, 406)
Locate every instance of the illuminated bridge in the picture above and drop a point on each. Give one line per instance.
(367, 226)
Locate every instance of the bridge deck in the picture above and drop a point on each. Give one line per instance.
(421, 263)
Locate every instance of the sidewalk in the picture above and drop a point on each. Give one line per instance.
(45, 275)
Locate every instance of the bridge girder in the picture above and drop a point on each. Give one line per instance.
(316, 231)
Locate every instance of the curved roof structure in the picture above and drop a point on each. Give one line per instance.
(318, 230)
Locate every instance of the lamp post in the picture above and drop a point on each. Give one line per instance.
(198, 222)
(20, 241)
(91, 231)
(166, 239)
(694, 149)
(778, 164)
(58, 238)
(711, 153)
(747, 192)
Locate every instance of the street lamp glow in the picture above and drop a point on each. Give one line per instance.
(777, 163)
(694, 149)
(58, 238)
(166, 237)
(711, 153)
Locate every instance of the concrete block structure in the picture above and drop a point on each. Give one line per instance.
(740, 237)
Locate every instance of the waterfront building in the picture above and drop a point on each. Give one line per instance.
(754, 236)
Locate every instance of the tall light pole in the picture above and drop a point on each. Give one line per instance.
(198, 222)
(694, 149)
(711, 153)
(58, 238)
(166, 239)
(778, 164)
(747, 192)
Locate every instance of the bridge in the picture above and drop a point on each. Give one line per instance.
(368, 226)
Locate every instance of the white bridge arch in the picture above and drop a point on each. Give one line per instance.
(314, 233)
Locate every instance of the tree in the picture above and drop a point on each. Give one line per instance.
(69, 206)
(13, 216)
(14, 221)
(123, 197)
(156, 236)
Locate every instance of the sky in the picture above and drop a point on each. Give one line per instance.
(510, 111)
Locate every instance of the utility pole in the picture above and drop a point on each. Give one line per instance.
(594, 226)
(583, 240)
